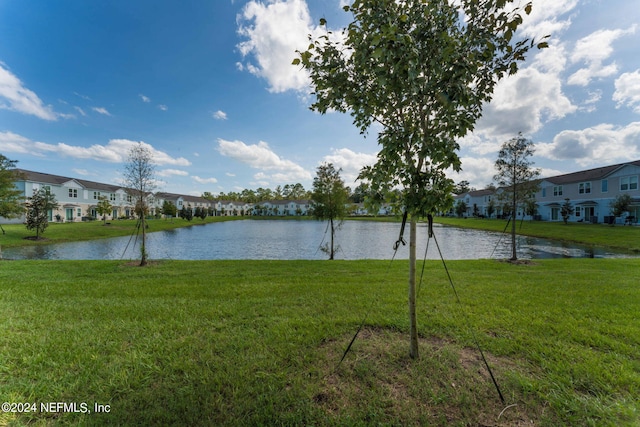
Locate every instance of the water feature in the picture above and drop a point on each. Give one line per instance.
(273, 239)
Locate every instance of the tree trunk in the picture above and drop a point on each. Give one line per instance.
(514, 255)
(332, 231)
(413, 351)
(143, 257)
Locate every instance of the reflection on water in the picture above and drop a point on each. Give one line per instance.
(266, 239)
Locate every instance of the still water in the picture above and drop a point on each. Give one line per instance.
(284, 240)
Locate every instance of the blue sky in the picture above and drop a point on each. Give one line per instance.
(209, 86)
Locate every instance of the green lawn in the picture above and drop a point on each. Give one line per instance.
(18, 235)
(258, 343)
(618, 237)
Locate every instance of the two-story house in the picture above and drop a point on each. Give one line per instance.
(76, 198)
(590, 192)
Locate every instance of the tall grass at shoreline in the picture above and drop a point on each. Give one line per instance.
(258, 342)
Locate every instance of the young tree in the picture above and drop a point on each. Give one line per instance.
(422, 70)
(186, 213)
(515, 172)
(139, 179)
(460, 208)
(566, 210)
(11, 203)
(203, 213)
(620, 205)
(328, 199)
(491, 208)
(38, 207)
(104, 208)
(169, 209)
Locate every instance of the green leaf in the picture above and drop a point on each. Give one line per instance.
(543, 45)
(296, 61)
(323, 22)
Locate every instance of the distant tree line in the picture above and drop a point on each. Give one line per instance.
(286, 192)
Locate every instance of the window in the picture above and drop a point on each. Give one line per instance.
(73, 193)
(557, 190)
(605, 186)
(47, 189)
(96, 195)
(628, 183)
(577, 213)
(79, 212)
(584, 188)
(112, 197)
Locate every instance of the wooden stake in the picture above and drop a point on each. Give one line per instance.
(413, 352)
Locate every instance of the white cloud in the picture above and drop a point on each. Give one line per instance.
(523, 103)
(204, 180)
(101, 110)
(593, 50)
(604, 143)
(546, 18)
(274, 32)
(219, 115)
(163, 107)
(172, 172)
(144, 98)
(260, 156)
(116, 150)
(80, 110)
(15, 97)
(82, 172)
(350, 162)
(628, 90)
(479, 171)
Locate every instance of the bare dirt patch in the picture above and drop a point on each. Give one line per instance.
(448, 385)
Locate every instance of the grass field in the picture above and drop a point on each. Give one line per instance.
(618, 237)
(259, 343)
(18, 235)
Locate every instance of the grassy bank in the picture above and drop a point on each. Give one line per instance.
(619, 237)
(18, 235)
(258, 343)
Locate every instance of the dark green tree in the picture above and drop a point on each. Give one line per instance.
(566, 210)
(186, 213)
(460, 208)
(38, 207)
(11, 199)
(328, 201)
(422, 70)
(202, 214)
(517, 175)
(621, 204)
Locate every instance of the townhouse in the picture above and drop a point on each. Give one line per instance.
(78, 198)
(590, 192)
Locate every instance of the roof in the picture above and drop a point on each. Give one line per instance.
(589, 174)
(48, 178)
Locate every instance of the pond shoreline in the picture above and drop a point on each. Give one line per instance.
(276, 239)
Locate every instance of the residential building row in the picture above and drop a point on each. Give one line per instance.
(77, 200)
(590, 192)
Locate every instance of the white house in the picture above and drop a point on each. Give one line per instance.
(77, 198)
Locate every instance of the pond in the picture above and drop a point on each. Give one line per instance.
(287, 240)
